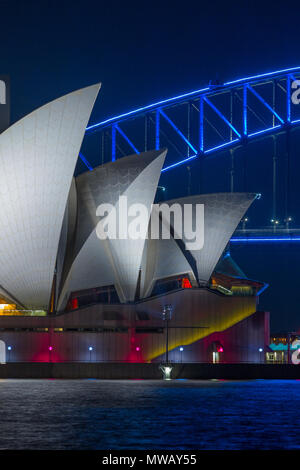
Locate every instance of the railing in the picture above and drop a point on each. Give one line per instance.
(25, 313)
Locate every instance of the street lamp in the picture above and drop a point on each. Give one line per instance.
(181, 351)
(275, 223)
(260, 351)
(90, 349)
(167, 315)
(167, 368)
(288, 220)
(50, 351)
(9, 348)
(244, 221)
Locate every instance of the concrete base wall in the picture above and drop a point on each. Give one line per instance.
(136, 332)
(147, 371)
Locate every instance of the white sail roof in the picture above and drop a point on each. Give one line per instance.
(38, 155)
(114, 261)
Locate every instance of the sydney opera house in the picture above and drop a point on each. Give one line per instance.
(67, 295)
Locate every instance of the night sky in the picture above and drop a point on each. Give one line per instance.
(146, 51)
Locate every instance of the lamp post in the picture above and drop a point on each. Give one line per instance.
(244, 221)
(9, 350)
(260, 353)
(288, 220)
(90, 350)
(166, 368)
(167, 315)
(275, 223)
(181, 351)
(50, 351)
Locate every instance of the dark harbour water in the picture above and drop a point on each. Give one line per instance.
(182, 414)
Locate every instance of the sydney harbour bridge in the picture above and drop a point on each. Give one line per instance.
(243, 132)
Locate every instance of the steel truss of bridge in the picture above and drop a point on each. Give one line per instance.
(200, 123)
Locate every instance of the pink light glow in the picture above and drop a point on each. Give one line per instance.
(137, 348)
(50, 348)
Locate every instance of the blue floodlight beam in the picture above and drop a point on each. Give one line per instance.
(264, 239)
(264, 102)
(189, 94)
(264, 131)
(221, 146)
(263, 75)
(179, 163)
(177, 130)
(222, 116)
(126, 138)
(264, 287)
(84, 160)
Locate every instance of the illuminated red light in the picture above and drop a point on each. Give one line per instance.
(185, 283)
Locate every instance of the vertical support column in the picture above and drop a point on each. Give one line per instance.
(146, 134)
(231, 113)
(288, 98)
(245, 131)
(245, 123)
(189, 180)
(273, 101)
(275, 158)
(102, 147)
(245, 167)
(232, 171)
(157, 126)
(201, 129)
(189, 128)
(231, 150)
(201, 142)
(288, 147)
(113, 143)
(287, 174)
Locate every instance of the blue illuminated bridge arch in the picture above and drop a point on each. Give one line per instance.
(199, 123)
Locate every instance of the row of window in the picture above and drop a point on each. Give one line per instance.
(84, 330)
(38, 330)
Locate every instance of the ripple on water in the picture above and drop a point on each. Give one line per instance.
(104, 414)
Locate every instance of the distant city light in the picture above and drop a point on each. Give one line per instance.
(9, 348)
(260, 349)
(90, 348)
(181, 349)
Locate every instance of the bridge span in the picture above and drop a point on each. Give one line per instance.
(221, 117)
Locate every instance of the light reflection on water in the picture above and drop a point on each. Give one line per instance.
(182, 414)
